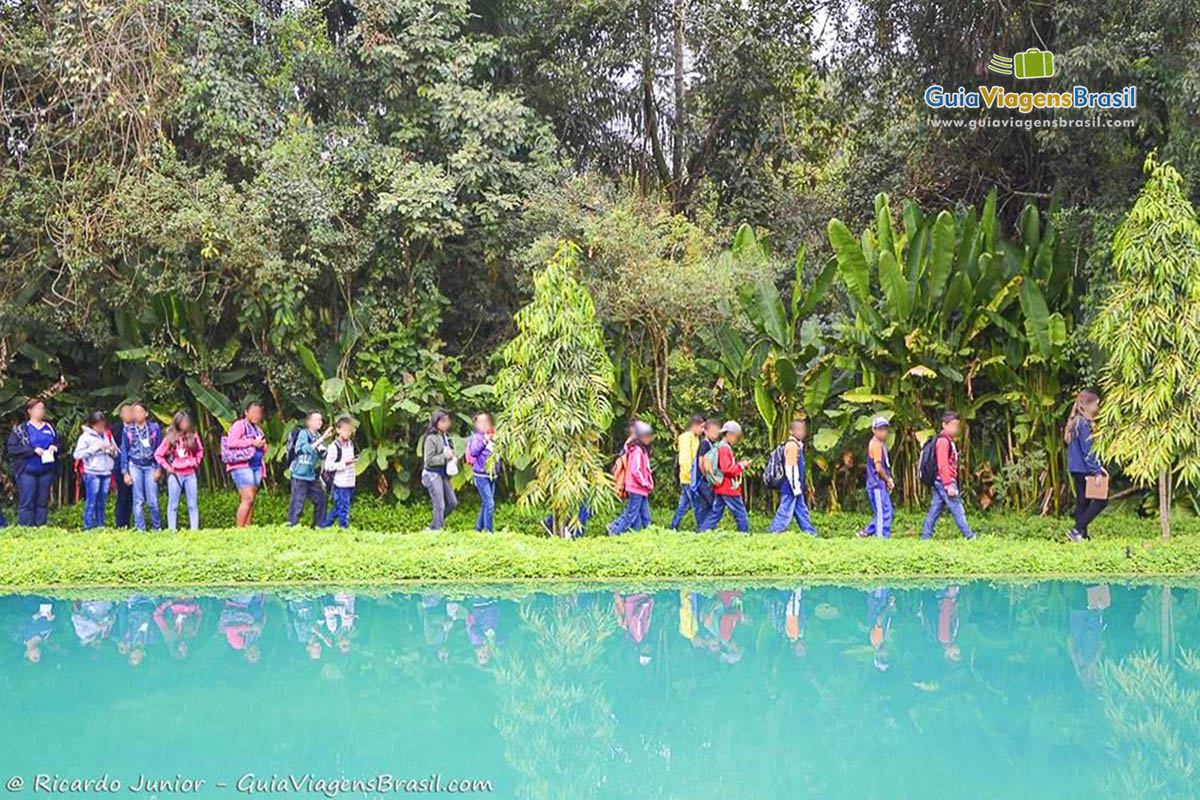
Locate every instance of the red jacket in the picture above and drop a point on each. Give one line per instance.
(947, 460)
(731, 486)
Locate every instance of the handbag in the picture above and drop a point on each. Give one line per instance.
(452, 467)
(1096, 486)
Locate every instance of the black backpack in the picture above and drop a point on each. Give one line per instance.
(927, 470)
(327, 474)
(773, 472)
(291, 444)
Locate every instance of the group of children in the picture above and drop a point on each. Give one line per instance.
(134, 453)
(710, 478)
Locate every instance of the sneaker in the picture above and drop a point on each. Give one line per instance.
(1074, 535)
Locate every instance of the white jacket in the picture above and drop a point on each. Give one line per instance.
(339, 460)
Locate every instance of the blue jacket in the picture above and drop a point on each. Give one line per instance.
(132, 450)
(1080, 458)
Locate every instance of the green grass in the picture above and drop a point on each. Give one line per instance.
(388, 546)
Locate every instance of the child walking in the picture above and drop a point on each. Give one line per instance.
(791, 494)
(688, 447)
(179, 454)
(726, 481)
(639, 482)
(97, 451)
(339, 461)
(945, 485)
(879, 481)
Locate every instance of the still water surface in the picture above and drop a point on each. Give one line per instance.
(1053, 690)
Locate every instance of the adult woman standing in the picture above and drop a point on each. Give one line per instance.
(243, 450)
(439, 463)
(33, 447)
(1082, 462)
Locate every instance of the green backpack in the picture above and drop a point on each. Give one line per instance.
(711, 466)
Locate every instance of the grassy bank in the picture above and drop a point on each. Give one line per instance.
(1008, 546)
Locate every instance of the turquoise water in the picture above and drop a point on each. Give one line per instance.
(1053, 690)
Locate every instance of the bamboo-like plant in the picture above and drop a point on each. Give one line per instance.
(1149, 329)
(554, 392)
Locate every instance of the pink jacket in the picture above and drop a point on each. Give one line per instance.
(177, 458)
(638, 479)
(240, 436)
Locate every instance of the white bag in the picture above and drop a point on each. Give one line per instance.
(452, 467)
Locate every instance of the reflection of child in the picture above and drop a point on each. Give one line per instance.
(880, 607)
(241, 623)
(483, 621)
(37, 630)
(178, 620)
(947, 623)
(633, 615)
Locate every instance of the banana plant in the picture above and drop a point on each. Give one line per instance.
(921, 296)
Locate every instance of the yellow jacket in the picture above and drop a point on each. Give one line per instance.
(689, 445)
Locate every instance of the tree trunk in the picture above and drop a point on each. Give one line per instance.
(1164, 503)
(680, 117)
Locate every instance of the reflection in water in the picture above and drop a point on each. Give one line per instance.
(594, 695)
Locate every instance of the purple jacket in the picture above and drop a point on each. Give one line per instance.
(479, 449)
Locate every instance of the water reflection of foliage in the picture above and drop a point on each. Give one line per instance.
(1153, 707)
(554, 717)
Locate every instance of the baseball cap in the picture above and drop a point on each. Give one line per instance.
(880, 422)
(731, 426)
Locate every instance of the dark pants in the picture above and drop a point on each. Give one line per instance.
(736, 506)
(313, 490)
(1085, 510)
(702, 499)
(33, 497)
(123, 513)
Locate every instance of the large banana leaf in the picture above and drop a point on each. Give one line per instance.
(895, 287)
(941, 256)
(213, 401)
(1037, 317)
(852, 264)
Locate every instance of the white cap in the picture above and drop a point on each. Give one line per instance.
(731, 426)
(881, 422)
(642, 429)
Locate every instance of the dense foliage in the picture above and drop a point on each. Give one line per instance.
(342, 204)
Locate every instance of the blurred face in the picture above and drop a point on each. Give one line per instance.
(881, 433)
(647, 438)
(483, 423)
(254, 414)
(37, 412)
(444, 424)
(314, 650)
(139, 414)
(711, 431)
(1090, 407)
(185, 424)
(345, 430)
(100, 426)
(733, 438)
(315, 421)
(799, 429)
(697, 428)
(953, 428)
(126, 414)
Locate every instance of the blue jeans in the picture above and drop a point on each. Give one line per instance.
(635, 516)
(791, 506)
(581, 521)
(145, 495)
(342, 495)
(303, 490)
(881, 504)
(185, 484)
(95, 492)
(736, 507)
(487, 502)
(687, 500)
(941, 502)
(33, 497)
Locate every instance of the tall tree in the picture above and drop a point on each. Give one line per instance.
(1149, 329)
(555, 389)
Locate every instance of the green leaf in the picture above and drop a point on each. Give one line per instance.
(941, 258)
(332, 389)
(826, 439)
(852, 264)
(895, 287)
(766, 405)
(785, 375)
(213, 401)
(309, 362)
(772, 315)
